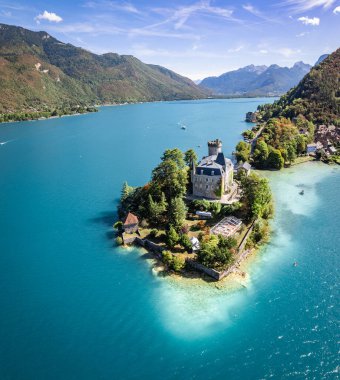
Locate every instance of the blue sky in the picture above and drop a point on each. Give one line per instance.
(196, 38)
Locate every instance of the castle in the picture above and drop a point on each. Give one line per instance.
(213, 176)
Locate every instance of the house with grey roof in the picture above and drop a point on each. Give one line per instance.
(243, 167)
(213, 176)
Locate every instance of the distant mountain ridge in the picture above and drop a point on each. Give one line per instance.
(256, 80)
(316, 96)
(39, 72)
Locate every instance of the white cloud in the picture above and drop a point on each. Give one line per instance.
(236, 49)
(6, 13)
(302, 34)
(113, 5)
(306, 5)
(264, 51)
(288, 52)
(336, 10)
(49, 16)
(179, 16)
(315, 21)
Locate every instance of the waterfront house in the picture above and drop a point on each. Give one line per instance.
(213, 176)
(244, 167)
(131, 223)
(311, 148)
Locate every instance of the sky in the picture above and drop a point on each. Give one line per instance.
(195, 38)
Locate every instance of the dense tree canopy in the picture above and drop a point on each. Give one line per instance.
(257, 197)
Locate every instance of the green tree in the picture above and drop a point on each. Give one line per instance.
(185, 242)
(242, 151)
(175, 155)
(256, 196)
(301, 144)
(172, 237)
(261, 153)
(177, 212)
(126, 191)
(275, 159)
(156, 210)
(167, 258)
(227, 242)
(178, 263)
(167, 177)
(190, 157)
(214, 253)
(291, 151)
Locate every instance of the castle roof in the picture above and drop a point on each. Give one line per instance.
(220, 159)
(216, 163)
(131, 219)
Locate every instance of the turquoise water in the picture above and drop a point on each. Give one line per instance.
(75, 307)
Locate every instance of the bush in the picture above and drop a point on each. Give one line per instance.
(119, 240)
(178, 263)
(173, 262)
(167, 258)
(185, 242)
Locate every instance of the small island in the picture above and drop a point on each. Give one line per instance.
(205, 216)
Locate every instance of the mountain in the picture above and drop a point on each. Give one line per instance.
(321, 59)
(39, 72)
(256, 80)
(316, 97)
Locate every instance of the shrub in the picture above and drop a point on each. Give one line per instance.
(178, 263)
(119, 240)
(167, 258)
(185, 242)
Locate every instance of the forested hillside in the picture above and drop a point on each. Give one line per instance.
(38, 72)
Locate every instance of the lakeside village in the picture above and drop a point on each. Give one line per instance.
(205, 216)
(275, 142)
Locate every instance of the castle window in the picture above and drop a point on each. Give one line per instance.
(207, 179)
(207, 186)
(202, 171)
(212, 172)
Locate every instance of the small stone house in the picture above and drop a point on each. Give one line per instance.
(243, 167)
(131, 223)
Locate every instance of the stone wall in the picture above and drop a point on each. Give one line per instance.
(216, 275)
(200, 183)
(244, 240)
(150, 246)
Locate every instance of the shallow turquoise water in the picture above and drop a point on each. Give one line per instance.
(73, 306)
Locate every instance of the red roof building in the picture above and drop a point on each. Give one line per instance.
(131, 223)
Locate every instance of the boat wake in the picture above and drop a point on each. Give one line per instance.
(5, 142)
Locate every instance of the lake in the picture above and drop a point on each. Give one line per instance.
(74, 306)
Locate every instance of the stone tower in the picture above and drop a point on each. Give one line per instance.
(214, 147)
